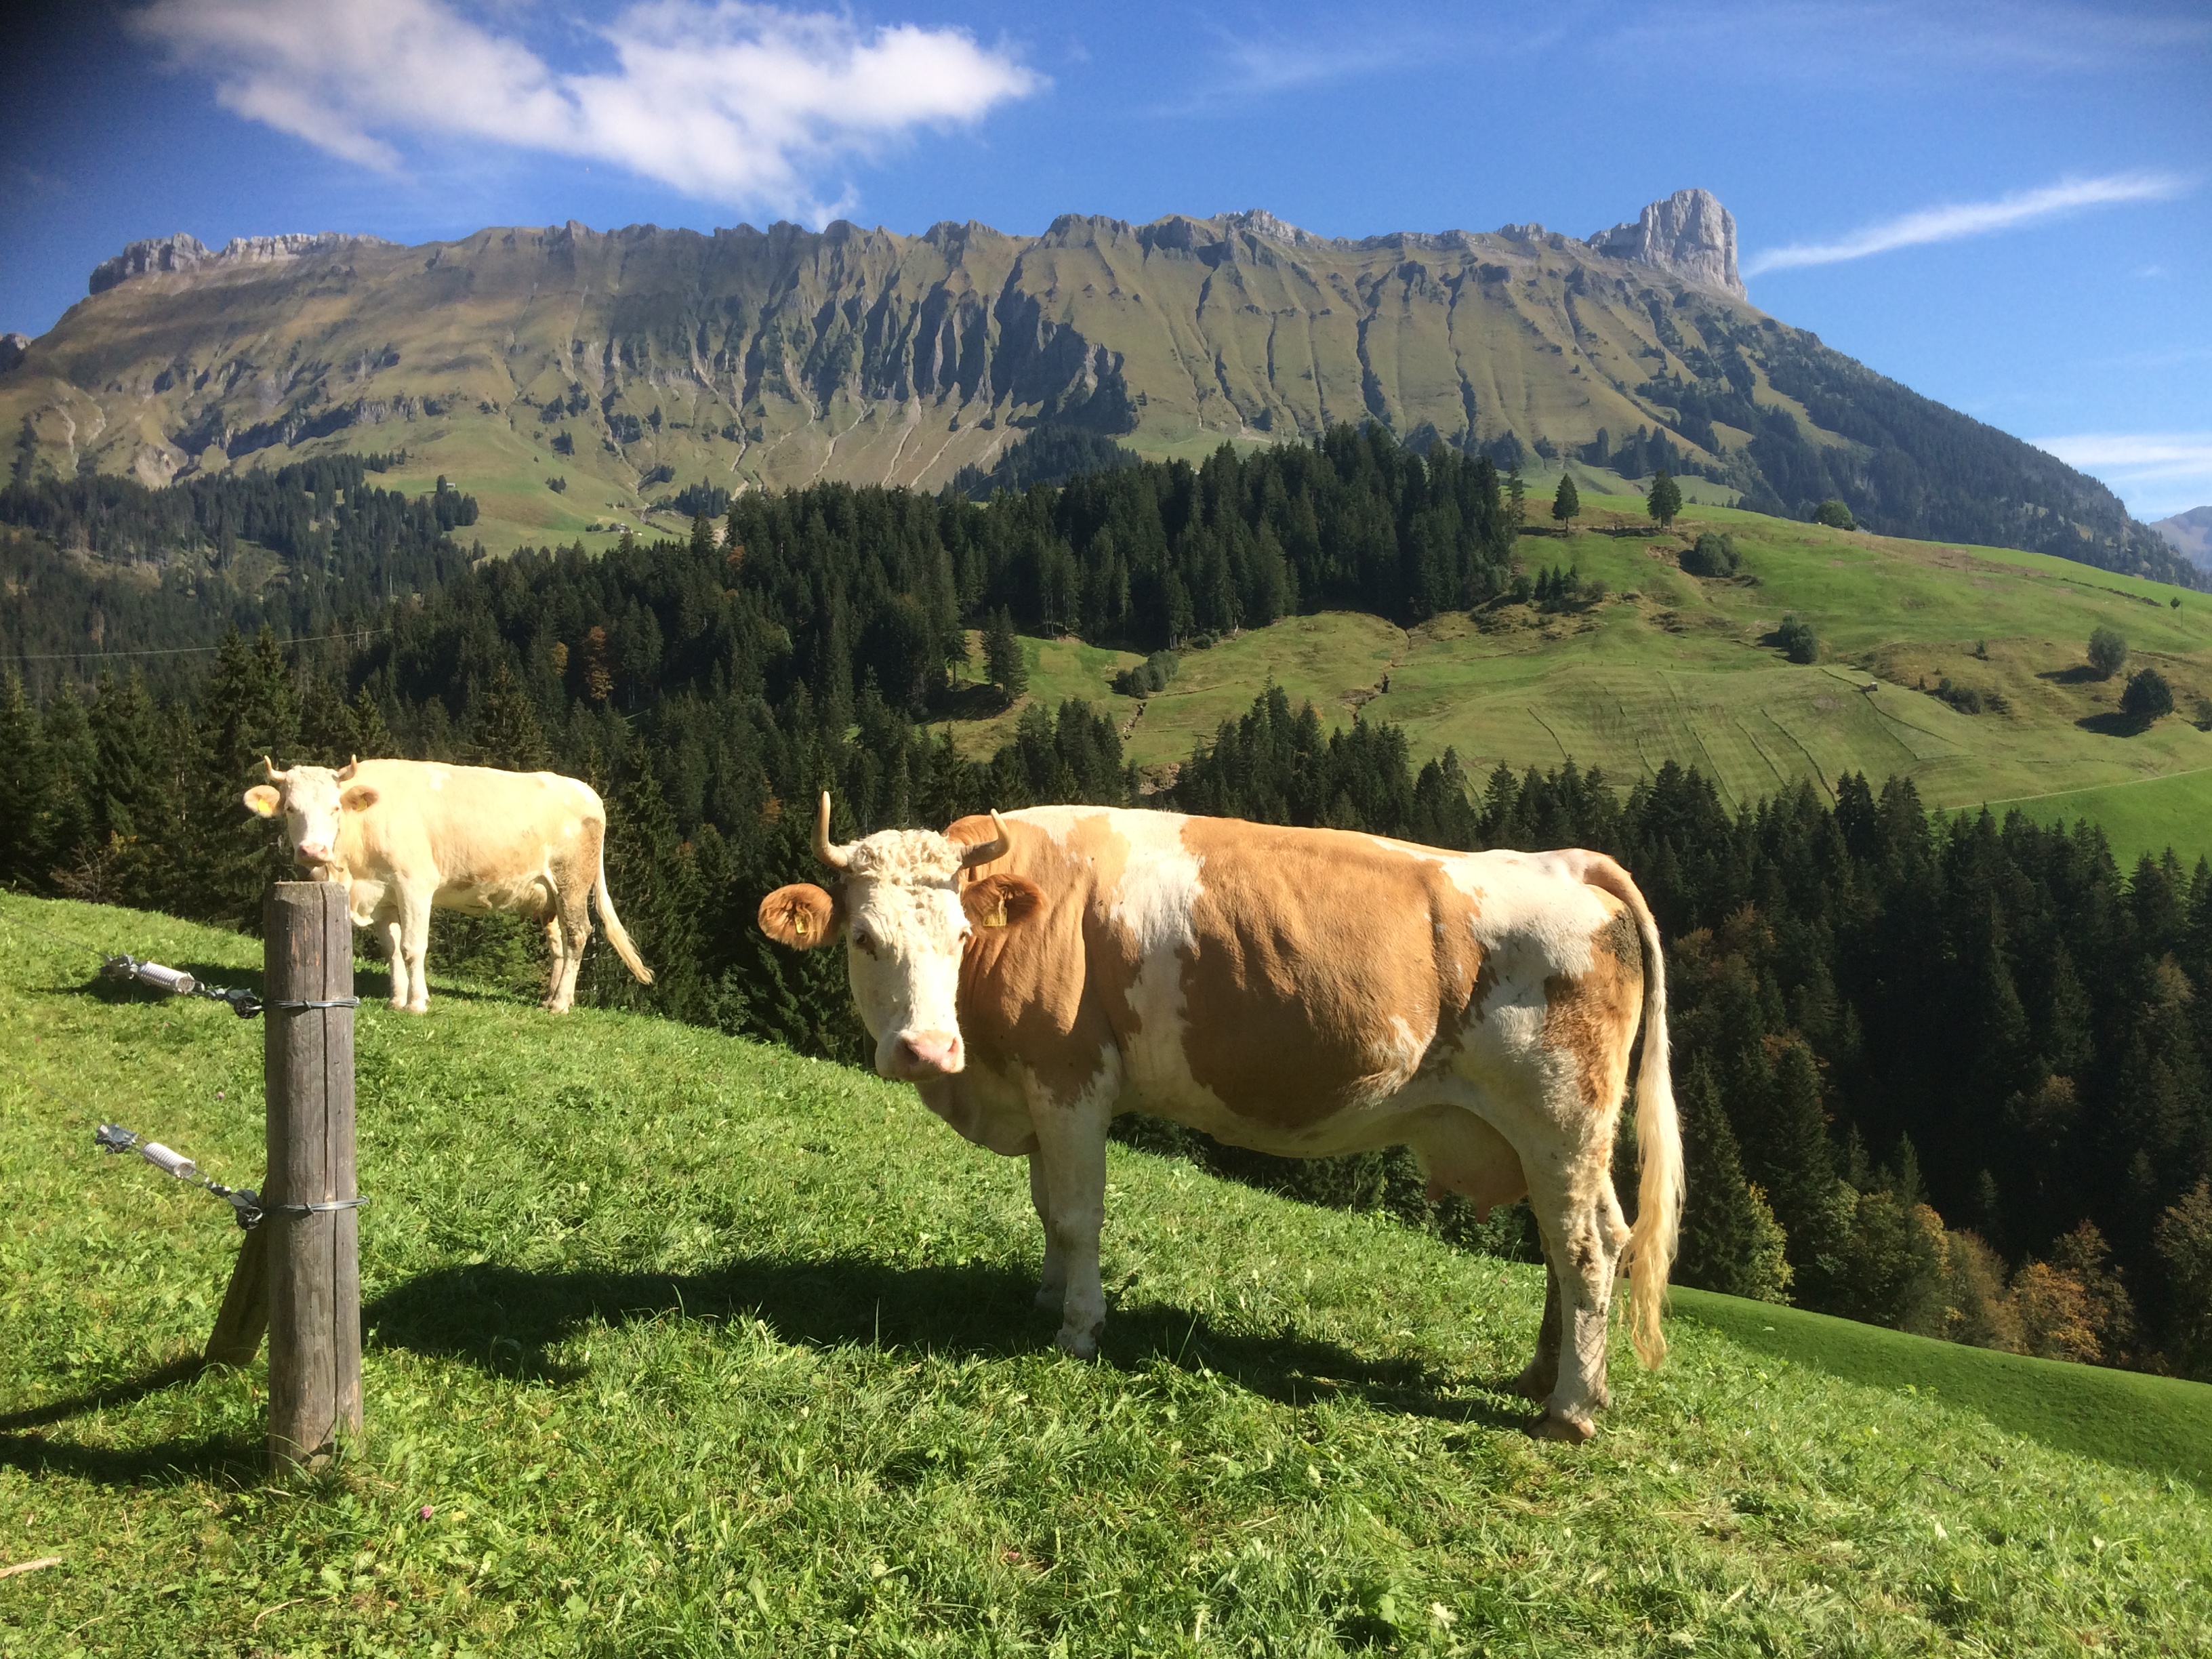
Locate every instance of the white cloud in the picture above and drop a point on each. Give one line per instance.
(2139, 454)
(2155, 473)
(728, 101)
(1961, 219)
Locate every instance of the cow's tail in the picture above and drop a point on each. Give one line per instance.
(617, 935)
(1658, 1131)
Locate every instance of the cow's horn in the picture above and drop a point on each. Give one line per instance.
(352, 766)
(983, 852)
(270, 766)
(836, 857)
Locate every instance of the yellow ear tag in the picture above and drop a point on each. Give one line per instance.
(998, 917)
(798, 923)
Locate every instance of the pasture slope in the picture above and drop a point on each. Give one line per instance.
(1674, 666)
(683, 1346)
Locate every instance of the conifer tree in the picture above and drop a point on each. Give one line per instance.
(1665, 499)
(326, 734)
(134, 812)
(1731, 1242)
(506, 728)
(23, 781)
(1002, 657)
(372, 738)
(1786, 1150)
(1566, 501)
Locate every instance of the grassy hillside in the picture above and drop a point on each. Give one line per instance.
(680, 1344)
(1671, 665)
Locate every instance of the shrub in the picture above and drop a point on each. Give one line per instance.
(2108, 652)
(2148, 696)
(1797, 639)
(1711, 556)
(1835, 514)
(662, 474)
(558, 486)
(1149, 676)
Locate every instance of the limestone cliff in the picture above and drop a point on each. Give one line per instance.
(1690, 235)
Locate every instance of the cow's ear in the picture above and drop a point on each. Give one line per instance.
(262, 801)
(802, 916)
(359, 798)
(1001, 901)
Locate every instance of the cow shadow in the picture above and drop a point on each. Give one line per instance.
(2079, 674)
(509, 1321)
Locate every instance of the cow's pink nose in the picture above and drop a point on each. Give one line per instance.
(926, 1054)
(312, 852)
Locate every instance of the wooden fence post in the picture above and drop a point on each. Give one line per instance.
(313, 1260)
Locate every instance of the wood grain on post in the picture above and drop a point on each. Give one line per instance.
(313, 1260)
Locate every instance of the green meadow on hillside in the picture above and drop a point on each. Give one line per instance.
(681, 1345)
(1669, 666)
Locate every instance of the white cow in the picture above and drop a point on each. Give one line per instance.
(405, 837)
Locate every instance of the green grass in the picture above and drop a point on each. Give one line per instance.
(2145, 816)
(1670, 666)
(2154, 1423)
(691, 1345)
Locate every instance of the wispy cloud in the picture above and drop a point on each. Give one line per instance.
(2136, 455)
(1951, 222)
(724, 100)
(2155, 473)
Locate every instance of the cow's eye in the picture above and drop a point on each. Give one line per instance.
(862, 939)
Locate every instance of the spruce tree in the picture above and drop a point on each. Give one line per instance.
(1002, 657)
(506, 726)
(372, 738)
(23, 782)
(1566, 501)
(1786, 1150)
(1731, 1242)
(1665, 499)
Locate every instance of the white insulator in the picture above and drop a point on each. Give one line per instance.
(175, 981)
(162, 1158)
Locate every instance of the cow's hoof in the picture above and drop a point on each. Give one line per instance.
(1558, 1426)
(1536, 1382)
(398, 1004)
(418, 1007)
(1078, 1345)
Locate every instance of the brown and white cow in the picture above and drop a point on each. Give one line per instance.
(1307, 993)
(405, 837)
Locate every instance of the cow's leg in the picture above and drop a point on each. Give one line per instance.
(553, 956)
(414, 952)
(1541, 1374)
(1052, 1284)
(387, 923)
(1578, 1243)
(1072, 1148)
(574, 905)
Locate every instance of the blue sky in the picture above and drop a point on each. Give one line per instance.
(2006, 206)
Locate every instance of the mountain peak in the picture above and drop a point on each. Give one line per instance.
(1690, 235)
(184, 252)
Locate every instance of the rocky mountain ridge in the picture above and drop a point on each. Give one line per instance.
(182, 251)
(621, 362)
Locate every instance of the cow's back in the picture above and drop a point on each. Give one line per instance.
(470, 823)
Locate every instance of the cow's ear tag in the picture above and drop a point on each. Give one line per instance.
(262, 801)
(358, 800)
(798, 923)
(998, 916)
